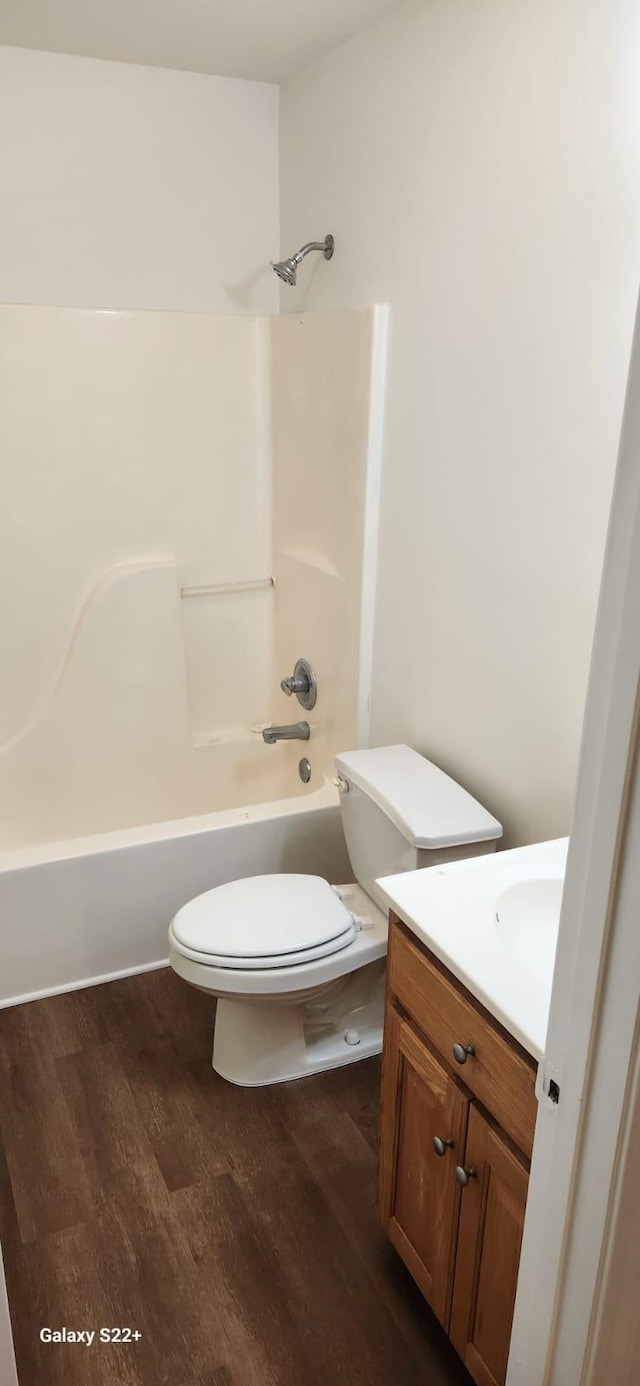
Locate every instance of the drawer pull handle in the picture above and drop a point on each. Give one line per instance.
(464, 1175)
(441, 1147)
(461, 1052)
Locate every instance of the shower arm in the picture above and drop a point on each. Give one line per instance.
(306, 249)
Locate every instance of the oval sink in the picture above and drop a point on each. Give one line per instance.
(527, 916)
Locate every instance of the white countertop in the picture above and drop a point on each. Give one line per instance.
(453, 910)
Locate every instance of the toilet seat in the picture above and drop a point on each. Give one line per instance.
(263, 922)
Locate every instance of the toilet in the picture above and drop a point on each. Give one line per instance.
(297, 964)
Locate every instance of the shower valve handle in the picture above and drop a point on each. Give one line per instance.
(302, 682)
(295, 684)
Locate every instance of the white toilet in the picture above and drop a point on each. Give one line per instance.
(297, 964)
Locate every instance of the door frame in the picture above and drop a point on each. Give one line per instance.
(592, 1034)
(8, 1370)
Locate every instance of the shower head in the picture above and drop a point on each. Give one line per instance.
(286, 270)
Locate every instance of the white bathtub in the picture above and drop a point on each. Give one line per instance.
(92, 909)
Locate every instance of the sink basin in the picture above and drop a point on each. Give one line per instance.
(492, 920)
(527, 917)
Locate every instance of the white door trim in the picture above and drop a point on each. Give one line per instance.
(8, 1371)
(556, 1290)
(613, 1347)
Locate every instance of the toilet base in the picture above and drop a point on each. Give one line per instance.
(261, 1041)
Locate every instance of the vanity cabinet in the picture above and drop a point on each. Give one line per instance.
(458, 1113)
(420, 1199)
(488, 1252)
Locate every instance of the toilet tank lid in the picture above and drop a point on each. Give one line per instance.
(430, 809)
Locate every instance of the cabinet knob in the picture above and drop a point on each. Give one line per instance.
(464, 1175)
(441, 1147)
(461, 1052)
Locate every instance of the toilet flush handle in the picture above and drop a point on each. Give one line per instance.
(341, 784)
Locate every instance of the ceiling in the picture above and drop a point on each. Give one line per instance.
(263, 39)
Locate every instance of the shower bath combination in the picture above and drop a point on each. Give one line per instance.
(286, 270)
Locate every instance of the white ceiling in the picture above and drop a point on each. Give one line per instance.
(263, 39)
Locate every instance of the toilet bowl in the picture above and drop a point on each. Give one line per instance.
(297, 964)
(282, 1014)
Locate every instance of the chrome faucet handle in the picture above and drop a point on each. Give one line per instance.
(302, 682)
(294, 685)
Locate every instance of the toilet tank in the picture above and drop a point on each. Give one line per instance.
(400, 812)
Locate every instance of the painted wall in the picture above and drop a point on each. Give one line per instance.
(135, 187)
(478, 166)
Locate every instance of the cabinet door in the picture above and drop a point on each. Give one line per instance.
(419, 1194)
(490, 1233)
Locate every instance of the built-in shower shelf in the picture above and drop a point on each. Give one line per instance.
(313, 558)
(227, 589)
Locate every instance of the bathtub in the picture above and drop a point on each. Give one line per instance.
(91, 909)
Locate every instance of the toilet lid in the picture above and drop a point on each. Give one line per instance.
(264, 921)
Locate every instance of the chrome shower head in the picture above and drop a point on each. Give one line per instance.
(287, 270)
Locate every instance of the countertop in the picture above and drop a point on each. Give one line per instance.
(452, 909)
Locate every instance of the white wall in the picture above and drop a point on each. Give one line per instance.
(478, 166)
(135, 187)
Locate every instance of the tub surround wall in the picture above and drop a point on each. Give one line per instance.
(136, 187)
(327, 383)
(126, 437)
(136, 463)
(478, 165)
(140, 471)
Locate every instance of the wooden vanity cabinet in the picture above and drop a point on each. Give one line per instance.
(488, 1252)
(420, 1200)
(443, 1122)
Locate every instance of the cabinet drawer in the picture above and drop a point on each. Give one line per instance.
(499, 1073)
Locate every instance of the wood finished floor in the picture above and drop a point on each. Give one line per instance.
(236, 1229)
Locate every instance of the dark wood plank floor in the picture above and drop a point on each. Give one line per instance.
(236, 1229)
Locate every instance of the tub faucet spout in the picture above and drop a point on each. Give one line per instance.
(297, 731)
